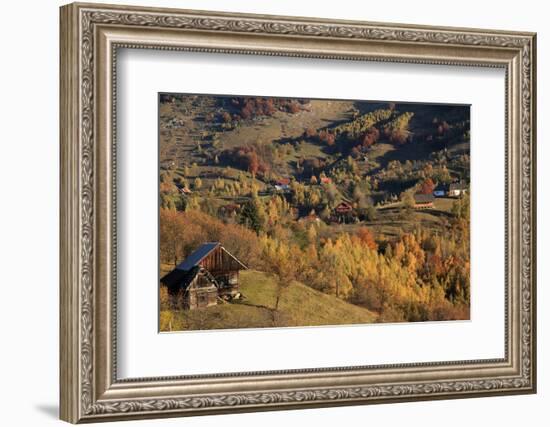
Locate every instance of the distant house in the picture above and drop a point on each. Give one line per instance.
(423, 201)
(325, 180)
(343, 208)
(282, 185)
(457, 189)
(343, 212)
(185, 190)
(441, 190)
(281, 188)
(209, 273)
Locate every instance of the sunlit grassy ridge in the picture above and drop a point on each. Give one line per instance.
(299, 306)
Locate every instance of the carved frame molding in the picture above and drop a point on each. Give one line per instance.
(90, 37)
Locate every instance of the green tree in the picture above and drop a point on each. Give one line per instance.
(181, 203)
(250, 216)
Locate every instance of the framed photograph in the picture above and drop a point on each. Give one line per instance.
(266, 212)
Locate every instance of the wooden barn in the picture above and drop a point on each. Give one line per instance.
(343, 212)
(457, 189)
(209, 273)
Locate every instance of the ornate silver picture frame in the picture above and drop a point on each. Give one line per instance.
(91, 35)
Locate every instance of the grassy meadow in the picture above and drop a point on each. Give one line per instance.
(300, 305)
(322, 201)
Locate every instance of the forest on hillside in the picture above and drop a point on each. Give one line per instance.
(367, 202)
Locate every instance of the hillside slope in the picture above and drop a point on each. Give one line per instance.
(299, 306)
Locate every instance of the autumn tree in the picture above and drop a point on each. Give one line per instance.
(332, 193)
(370, 137)
(197, 183)
(241, 242)
(407, 199)
(226, 117)
(279, 259)
(326, 137)
(427, 186)
(351, 164)
(256, 158)
(172, 228)
(336, 263)
(312, 234)
(461, 207)
(367, 237)
(397, 130)
(310, 132)
(294, 108)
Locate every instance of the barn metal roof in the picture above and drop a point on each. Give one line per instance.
(180, 278)
(197, 256)
(186, 271)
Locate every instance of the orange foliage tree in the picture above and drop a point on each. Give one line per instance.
(182, 232)
(367, 237)
(427, 186)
